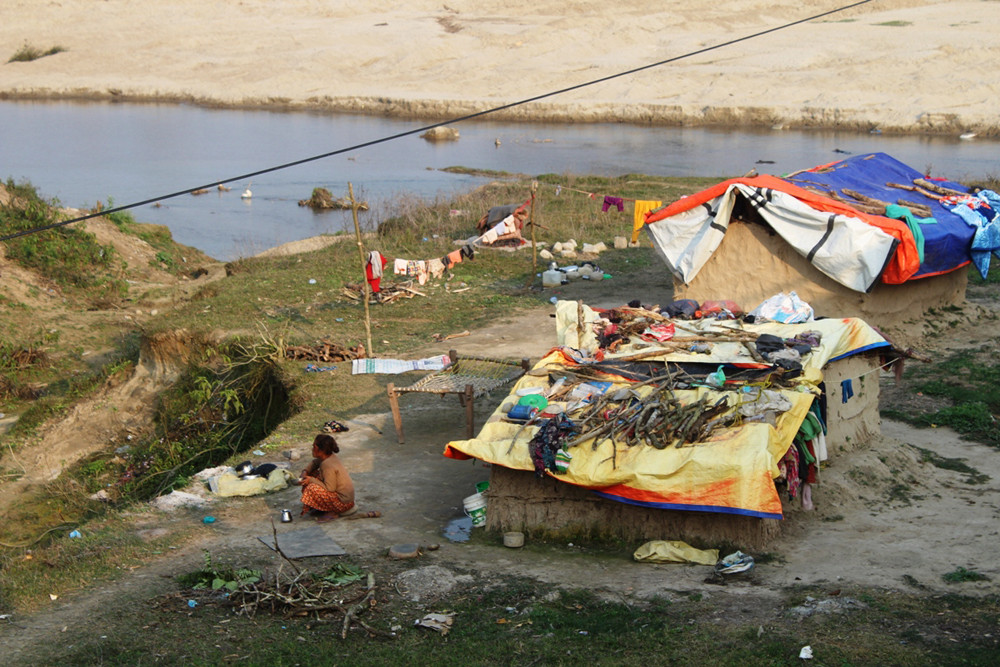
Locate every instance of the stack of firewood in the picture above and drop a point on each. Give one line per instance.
(388, 293)
(326, 350)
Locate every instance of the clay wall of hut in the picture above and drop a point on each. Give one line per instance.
(753, 263)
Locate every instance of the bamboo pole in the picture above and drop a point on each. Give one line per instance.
(531, 221)
(365, 286)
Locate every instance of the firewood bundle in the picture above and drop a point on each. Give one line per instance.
(326, 350)
(388, 293)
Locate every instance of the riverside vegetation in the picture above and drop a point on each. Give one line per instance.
(81, 320)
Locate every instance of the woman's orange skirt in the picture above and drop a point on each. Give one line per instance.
(316, 497)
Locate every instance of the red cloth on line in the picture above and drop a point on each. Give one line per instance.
(375, 282)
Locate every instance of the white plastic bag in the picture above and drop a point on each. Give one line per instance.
(787, 308)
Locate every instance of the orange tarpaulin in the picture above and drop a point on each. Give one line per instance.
(904, 263)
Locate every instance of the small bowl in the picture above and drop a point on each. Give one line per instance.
(513, 540)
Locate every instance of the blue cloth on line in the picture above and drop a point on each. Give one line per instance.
(846, 390)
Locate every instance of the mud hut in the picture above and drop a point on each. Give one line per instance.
(867, 237)
(717, 488)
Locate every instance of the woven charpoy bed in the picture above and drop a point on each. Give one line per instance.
(467, 376)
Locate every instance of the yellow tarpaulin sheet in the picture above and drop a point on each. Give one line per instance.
(731, 472)
(674, 551)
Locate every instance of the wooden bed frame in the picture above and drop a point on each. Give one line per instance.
(467, 377)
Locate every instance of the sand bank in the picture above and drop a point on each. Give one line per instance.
(913, 66)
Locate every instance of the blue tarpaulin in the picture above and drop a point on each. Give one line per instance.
(946, 242)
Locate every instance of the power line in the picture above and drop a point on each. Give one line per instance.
(393, 137)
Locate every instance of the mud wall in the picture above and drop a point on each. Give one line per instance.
(752, 263)
(852, 420)
(517, 500)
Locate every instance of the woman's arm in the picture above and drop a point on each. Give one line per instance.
(309, 470)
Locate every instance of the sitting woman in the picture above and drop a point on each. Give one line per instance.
(327, 489)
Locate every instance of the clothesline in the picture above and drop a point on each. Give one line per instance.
(593, 195)
(642, 207)
(422, 269)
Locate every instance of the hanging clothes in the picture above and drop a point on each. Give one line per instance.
(454, 257)
(373, 270)
(642, 207)
(435, 267)
(610, 201)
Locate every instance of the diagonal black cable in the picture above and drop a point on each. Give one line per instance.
(393, 137)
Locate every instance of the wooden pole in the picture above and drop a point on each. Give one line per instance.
(364, 282)
(531, 221)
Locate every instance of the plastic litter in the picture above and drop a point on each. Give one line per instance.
(75, 533)
(192, 603)
(806, 653)
(440, 622)
(716, 379)
(208, 519)
(735, 563)
(787, 308)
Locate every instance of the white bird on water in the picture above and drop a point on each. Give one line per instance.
(966, 136)
(247, 194)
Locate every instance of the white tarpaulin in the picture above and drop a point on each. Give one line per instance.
(846, 249)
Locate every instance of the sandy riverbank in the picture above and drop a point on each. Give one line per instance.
(914, 66)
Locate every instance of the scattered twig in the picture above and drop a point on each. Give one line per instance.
(277, 547)
(440, 338)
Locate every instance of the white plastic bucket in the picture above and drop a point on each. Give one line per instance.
(552, 278)
(475, 509)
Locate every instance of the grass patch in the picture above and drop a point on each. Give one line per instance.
(169, 256)
(70, 257)
(960, 574)
(27, 53)
(970, 381)
(523, 622)
(895, 24)
(957, 465)
(57, 564)
(487, 173)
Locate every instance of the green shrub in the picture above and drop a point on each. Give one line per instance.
(960, 574)
(70, 257)
(214, 577)
(27, 53)
(217, 408)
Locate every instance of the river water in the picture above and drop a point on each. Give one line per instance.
(81, 153)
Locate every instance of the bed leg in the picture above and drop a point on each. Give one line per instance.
(470, 418)
(397, 419)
